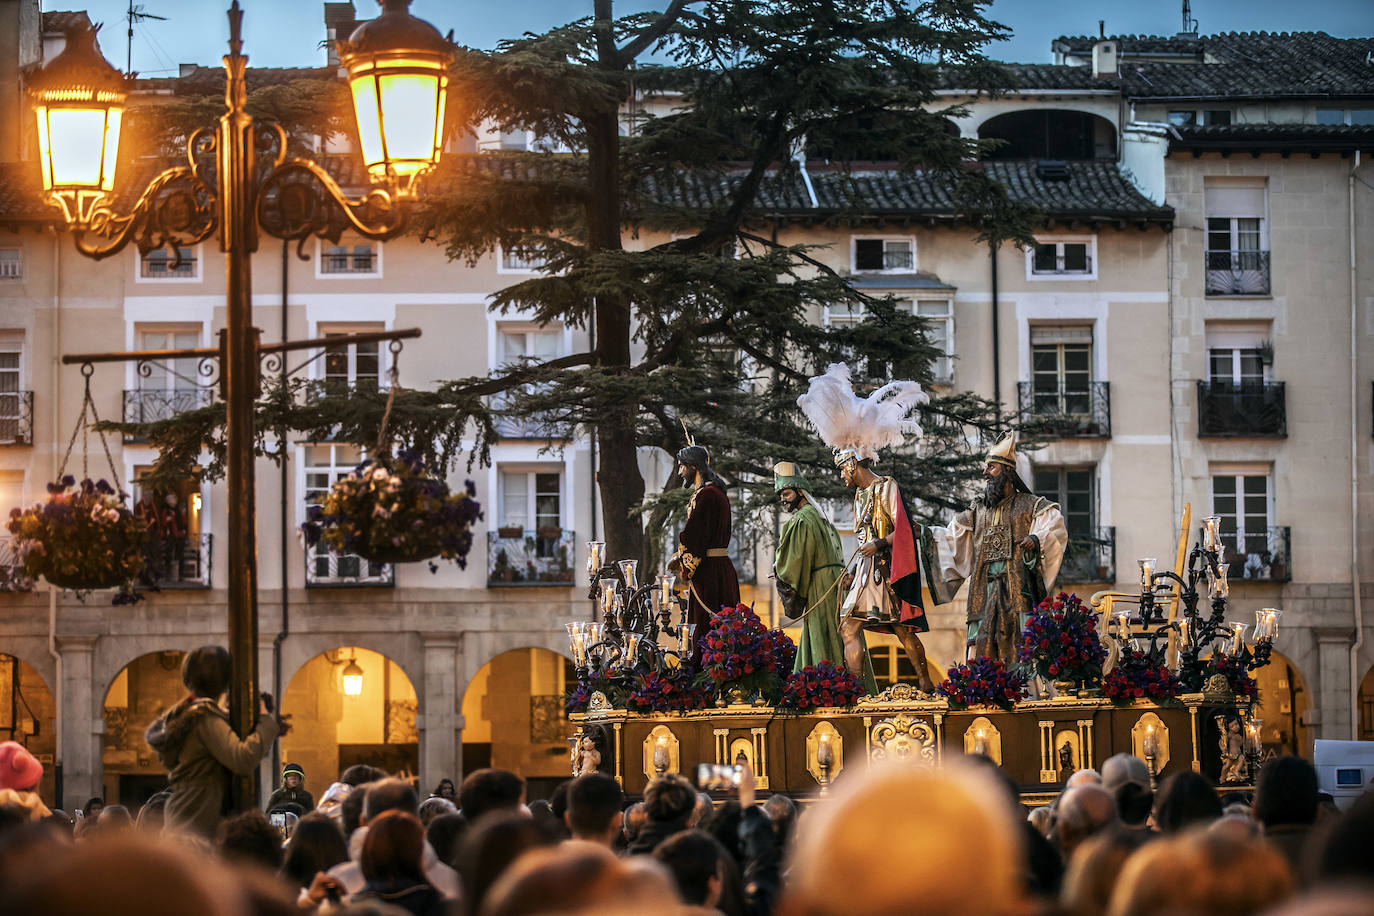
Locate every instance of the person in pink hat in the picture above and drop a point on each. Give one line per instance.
(20, 773)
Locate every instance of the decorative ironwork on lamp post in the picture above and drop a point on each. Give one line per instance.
(239, 179)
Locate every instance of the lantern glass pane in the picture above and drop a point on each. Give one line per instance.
(44, 150)
(76, 139)
(369, 127)
(111, 147)
(410, 105)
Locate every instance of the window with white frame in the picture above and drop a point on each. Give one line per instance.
(882, 254)
(531, 499)
(516, 344)
(14, 406)
(530, 544)
(349, 259)
(938, 317)
(1239, 356)
(522, 259)
(351, 365)
(1237, 237)
(161, 264)
(323, 464)
(1061, 369)
(1062, 258)
(166, 387)
(1211, 117)
(11, 264)
(1243, 497)
(1075, 490)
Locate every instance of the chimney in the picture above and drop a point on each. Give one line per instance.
(1105, 58)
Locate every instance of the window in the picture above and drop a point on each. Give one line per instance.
(1244, 503)
(1074, 490)
(11, 264)
(351, 365)
(938, 315)
(1062, 258)
(522, 259)
(516, 344)
(531, 500)
(1061, 369)
(529, 545)
(1237, 252)
(883, 255)
(1239, 356)
(15, 403)
(169, 386)
(1218, 117)
(349, 259)
(1345, 115)
(323, 465)
(161, 265)
(178, 551)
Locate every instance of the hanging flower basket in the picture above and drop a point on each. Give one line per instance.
(82, 537)
(389, 510)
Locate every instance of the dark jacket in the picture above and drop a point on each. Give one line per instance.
(418, 899)
(653, 833)
(285, 796)
(199, 749)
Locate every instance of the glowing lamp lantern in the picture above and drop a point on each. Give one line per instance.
(398, 77)
(353, 678)
(79, 101)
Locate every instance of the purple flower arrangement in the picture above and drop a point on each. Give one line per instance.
(1060, 641)
(982, 682)
(1138, 676)
(784, 651)
(82, 537)
(580, 694)
(740, 653)
(390, 510)
(653, 692)
(823, 684)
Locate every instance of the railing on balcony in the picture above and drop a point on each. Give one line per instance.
(181, 562)
(1068, 413)
(1090, 557)
(1237, 273)
(1227, 408)
(1257, 556)
(12, 578)
(530, 556)
(16, 418)
(326, 569)
(148, 405)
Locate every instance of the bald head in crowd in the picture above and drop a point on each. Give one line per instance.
(902, 834)
(1083, 811)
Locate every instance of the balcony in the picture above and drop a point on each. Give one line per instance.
(1260, 556)
(16, 418)
(339, 261)
(523, 556)
(12, 578)
(326, 569)
(148, 405)
(1237, 409)
(1068, 413)
(1090, 557)
(1237, 273)
(181, 562)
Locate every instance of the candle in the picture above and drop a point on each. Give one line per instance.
(595, 551)
(685, 631)
(1237, 636)
(1147, 569)
(1185, 632)
(665, 587)
(1211, 528)
(1223, 588)
(1151, 743)
(629, 569)
(1267, 623)
(1253, 735)
(1123, 625)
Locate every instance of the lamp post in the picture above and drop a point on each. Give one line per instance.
(239, 179)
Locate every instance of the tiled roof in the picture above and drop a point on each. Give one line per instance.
(21, 195)
(1243, 65)
(57, 21)
(1032, 77)
(1277, 137)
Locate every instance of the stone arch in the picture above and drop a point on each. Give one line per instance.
(514, 719)
(28, 712)
(128, 702)
(1285, 699)
(334, 728)
(404, 649)
(1050, 133)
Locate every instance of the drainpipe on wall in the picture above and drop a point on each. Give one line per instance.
(1354, 474)
(285, 630)
(52, 590)
(996, 341)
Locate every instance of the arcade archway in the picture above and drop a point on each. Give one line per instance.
(1284, 702)
(514, 718)
(350, 705)
(142, 690)
(28, 714)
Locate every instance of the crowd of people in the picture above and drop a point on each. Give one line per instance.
(887, 839)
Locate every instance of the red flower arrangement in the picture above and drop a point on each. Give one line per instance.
(1233, 669)
(652, 692)
(739, 652)
(1060, 641)
(580, 694)
(1138, 675)
(982, 682)
(824, 684)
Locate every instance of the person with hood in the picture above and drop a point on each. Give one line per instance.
(200, 750)
(292, 790)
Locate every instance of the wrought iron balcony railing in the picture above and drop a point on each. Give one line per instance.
(16, 418)
(148, 405)
(530, 556)
(1237, 273)
(1227, 408)
(12, 578)
(344, 262)
(1257, 556)
(1090, 557)
(181, 562)
(326, 569)
(1066, 412)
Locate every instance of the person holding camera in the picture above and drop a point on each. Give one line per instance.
(200, 750)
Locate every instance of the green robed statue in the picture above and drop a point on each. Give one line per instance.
(809, 562)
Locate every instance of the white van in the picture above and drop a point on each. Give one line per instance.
(1344, 768)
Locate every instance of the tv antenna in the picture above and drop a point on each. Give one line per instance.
(1189, 23)
(136, 14)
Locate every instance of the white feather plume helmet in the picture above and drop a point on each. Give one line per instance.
(860, 426)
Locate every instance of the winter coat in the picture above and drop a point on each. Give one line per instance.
(200, 751)
(285, 796)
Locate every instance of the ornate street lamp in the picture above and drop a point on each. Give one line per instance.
(353, 677)
(239, 179)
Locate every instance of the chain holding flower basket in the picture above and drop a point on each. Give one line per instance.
(83, 537)
(389, 510)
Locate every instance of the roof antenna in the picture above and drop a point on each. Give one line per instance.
(135, 14)
(1189, 23)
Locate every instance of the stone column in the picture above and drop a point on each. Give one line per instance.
(83, 721)
(1333, 692)
(440, 722)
